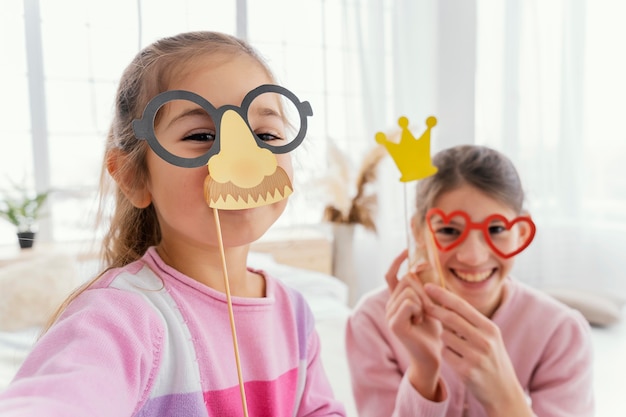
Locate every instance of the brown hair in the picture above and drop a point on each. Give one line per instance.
(478, 166)
(131, 230)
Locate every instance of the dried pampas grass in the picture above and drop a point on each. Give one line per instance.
(348, 207)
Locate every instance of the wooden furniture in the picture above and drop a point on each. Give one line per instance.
(302, 247)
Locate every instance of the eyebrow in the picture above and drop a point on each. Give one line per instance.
(267, 111)
(197, 111)
(451, 223)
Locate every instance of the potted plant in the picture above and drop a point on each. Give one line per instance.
(22, 208)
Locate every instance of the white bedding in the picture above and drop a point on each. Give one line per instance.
(328, 298)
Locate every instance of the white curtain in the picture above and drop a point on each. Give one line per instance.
(542, 81)
(550, 94)
(394, 73)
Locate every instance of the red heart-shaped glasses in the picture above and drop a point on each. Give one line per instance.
(450, 230)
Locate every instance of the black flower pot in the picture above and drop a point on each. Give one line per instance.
(26, 239)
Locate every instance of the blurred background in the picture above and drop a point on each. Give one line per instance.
(542, 81)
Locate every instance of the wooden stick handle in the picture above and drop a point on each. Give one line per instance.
(433, 251)
(230, 312)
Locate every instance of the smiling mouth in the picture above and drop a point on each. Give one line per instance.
(474, 277)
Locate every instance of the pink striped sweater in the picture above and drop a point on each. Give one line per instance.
(148, 341)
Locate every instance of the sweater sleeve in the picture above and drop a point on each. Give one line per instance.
(378, 382)
(317, 397)
(562, 385)
(97, 360)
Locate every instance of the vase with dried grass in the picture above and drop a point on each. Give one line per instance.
(352, 204)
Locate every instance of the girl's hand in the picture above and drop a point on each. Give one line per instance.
(473, 347)
(419, 333)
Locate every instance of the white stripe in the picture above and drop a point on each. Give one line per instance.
(179, 372)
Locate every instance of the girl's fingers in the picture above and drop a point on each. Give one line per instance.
(405, 307)
(409, 295)
(454, 359)
(456, 343)
(455, 303)
(403, 290)
(464, 314)
(392, 274)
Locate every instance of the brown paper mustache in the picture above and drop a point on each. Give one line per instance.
(273, 188)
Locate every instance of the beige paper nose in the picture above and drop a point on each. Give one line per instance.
(240, 160)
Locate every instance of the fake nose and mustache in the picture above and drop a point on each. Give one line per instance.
(243, 175)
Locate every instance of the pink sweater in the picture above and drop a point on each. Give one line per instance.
(549, 345)
(148, 341)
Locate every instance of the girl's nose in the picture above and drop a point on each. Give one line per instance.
(473, 250)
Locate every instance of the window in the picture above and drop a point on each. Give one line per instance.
(73, 62)
(336, 55)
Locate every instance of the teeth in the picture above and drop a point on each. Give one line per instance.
(476, 277)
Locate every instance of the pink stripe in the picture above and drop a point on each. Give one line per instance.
(264, 398)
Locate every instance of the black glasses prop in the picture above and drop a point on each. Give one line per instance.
(191, 133)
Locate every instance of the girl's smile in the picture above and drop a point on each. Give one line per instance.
(474, 277)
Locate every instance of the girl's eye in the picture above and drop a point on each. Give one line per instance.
(200, 137)
(450, 232)
(496, 229)
(268, 137)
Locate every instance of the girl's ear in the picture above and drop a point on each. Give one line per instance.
(136, 191)
(524, 230)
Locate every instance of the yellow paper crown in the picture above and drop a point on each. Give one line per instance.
(411, 155)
